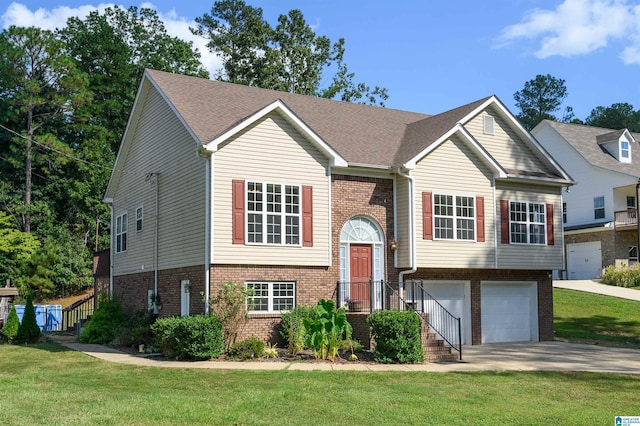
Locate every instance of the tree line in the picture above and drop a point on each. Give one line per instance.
(66, 95)
(65, 99)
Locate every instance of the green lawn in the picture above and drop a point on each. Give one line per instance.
(47, 384)
(581, 316)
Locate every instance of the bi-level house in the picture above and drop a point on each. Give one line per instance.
(301, 198)
(599, 212)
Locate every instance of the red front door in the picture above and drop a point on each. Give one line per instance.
(360, 267)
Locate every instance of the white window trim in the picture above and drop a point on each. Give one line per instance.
(529, 223)
(627, 158)
(283, 214)
(270, 296)
(141, 219)
(474, 218)
(118, 234)
(603, 208)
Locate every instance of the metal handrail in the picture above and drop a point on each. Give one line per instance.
(439, 319)
(77, 312)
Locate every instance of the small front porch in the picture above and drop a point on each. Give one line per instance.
(441, 331)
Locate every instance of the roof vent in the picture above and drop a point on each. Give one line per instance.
(489, 124)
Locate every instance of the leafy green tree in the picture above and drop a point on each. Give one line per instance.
(240, 36)
(29, 331)
(16, 249)
(10, 328)
(39, 84)
(539, 99)
(289, 57)
(617, 116)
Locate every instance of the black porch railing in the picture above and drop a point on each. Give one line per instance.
(370, 296)
(74, 314)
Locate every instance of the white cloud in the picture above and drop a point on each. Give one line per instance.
(579, 27)
(51, 19)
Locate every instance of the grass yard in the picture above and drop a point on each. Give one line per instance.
(587, 317)
(46, 383)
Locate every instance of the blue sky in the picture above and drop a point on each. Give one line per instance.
(436, 55)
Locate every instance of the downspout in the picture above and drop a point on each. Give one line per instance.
(637, 220)
(563, 272)
(111, 251)
(207, 230)
(412, 236)
(495, 224)
(153, 179)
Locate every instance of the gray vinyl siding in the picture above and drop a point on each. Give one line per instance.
(161, 145)
(516, 256)
(271, 151)
(403, 225)
(454, 168)
(504, 145)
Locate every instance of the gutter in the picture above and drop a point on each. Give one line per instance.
(412, 237)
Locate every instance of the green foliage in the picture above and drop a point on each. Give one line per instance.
(397, 336)
(16, 249)
(539, 98)
(196, 337)
(105, 323)
(137, 331)
(28, 331)
(229, 306)
(247, 349)
(289, 57)
(617, 116)
(10, 328)
(292, 328)
(624, 276)
(326, 331)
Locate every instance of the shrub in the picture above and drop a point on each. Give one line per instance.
(137, 331)
(624, 276)
(105, 323)
(28, 331)
(292, 327)
(10, 329)
(326, 332)
(229, 306)
(397, 336)
(247, 349)
(197, 337)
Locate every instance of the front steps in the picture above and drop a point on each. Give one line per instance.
(434, 348)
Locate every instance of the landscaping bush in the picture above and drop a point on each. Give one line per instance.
(28, 331)
(229, 305)
(197, 337)
(624, 276)
(292, 327)
(397, 336)
(326, 332)
(105, 323)
(10, 329)
(137, 331)
(247, 349)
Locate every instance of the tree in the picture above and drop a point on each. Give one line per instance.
(28, 331)
(16, 249)
(289, 57)
(10, 328)
(539, 98)
(39, 84)
(617, 116)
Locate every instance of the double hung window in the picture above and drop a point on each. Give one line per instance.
(527, 222)
(121, 233)
(454, 217)
(273, 213)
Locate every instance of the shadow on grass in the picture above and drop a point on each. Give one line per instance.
(598, 327)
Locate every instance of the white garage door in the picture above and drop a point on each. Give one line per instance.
(584, 260)
(455, 297)
(509, 312)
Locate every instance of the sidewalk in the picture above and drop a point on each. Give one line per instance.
(526, 356)
(593, 286)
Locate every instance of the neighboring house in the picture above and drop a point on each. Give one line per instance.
(599, 212)
(290, 194)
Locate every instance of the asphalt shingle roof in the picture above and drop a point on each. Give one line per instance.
(362, 134)
(589, 140)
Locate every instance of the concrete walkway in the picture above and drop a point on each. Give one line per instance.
(594, 286)
(527, 356)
